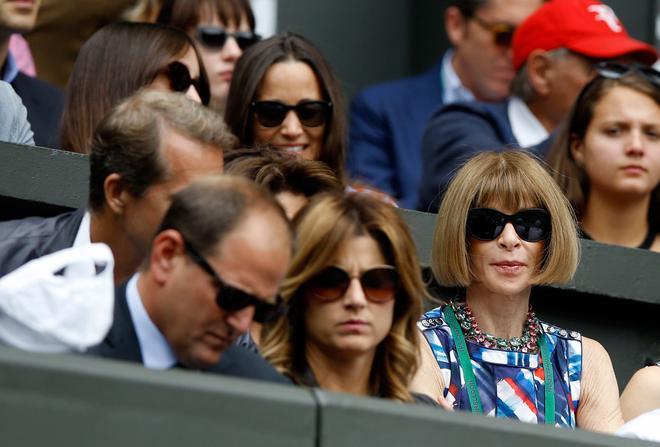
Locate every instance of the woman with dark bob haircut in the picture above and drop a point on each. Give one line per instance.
(117, 61)
(284, 94)
(503, 227)
(606, 158)
(355, 291)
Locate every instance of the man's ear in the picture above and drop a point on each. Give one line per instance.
(539, 72)
(116, 195)
(455, 25)
(167, 249)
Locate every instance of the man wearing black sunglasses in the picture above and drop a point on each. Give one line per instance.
(388, 120)
(215, 266)
(554, 51)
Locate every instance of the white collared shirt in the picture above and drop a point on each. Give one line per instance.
(527, 129)
(452, 88)
(83, 237)
(156, 351)
(84, 234)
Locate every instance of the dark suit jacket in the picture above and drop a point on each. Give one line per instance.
(122, 343)
(455, 133)
(44, 104)
(26, 239)
(385, 139)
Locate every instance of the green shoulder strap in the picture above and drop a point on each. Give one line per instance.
(464, 360)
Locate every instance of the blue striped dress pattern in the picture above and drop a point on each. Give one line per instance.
(510, 384)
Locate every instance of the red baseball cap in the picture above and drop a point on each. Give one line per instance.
(586, 27)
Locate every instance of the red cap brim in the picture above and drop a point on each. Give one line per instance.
(611, 47)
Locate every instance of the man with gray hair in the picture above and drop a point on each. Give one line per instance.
(149, 146)
(214, 266)
(554, 51)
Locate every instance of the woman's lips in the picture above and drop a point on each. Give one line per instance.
(509, 267)
(634, 169)
(294, 149)
(353, 326)
(226, 75)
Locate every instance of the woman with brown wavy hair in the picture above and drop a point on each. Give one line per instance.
(354, 290)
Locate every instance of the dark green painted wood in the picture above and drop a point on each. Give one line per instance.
(63, 400)
(347, 420)
(58, 400)
(42, 175)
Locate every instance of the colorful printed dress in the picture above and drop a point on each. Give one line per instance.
(510, 384)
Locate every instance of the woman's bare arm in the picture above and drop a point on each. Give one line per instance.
(428, 379)
(642, 394)
(599, 408)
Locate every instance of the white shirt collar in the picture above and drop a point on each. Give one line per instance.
(527, 129)
(84, 234)
(83, 237)
(453, 89)
(156, 351)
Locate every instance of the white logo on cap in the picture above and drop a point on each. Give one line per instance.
(606, 14)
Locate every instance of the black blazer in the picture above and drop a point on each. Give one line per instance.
(23, 240)
(44, 103)
(122, 343)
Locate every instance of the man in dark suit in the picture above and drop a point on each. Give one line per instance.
(43, 101)
(388, 120)
(149, 146)
(215, 264)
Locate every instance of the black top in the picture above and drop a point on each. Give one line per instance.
(645, 245)
(308, 379)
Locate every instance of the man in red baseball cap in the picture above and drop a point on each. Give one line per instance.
(554, 50)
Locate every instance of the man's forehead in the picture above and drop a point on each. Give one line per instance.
(508, 11)
(254, 259)
(188, 157)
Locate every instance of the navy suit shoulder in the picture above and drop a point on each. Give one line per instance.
(23, 240)
(387, 123)
(237, 361)
(44, 103)
(121, 342)
(454, 133)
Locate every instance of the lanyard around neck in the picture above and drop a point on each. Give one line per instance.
(471, 381)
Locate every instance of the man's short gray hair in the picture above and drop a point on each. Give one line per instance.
(522, 87)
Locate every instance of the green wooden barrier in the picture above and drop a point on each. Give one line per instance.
(57, 400)
(70, 401)
(346, 421)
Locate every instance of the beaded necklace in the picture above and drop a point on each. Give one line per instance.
(527, 342)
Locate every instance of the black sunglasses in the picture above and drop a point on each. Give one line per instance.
(613, 70)
(379, 284)
(180, 81)
(233, 299)
(531, 225)
(215, 37)
(310, 113)
(502, 32)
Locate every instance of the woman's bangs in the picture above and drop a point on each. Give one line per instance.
(510, 190)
